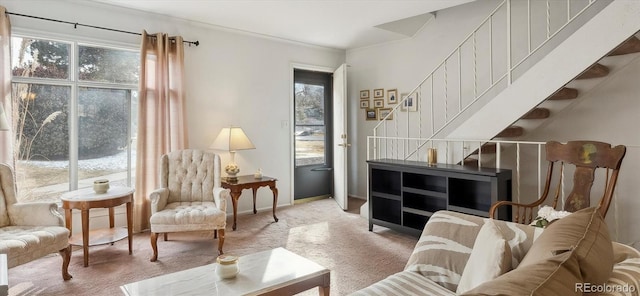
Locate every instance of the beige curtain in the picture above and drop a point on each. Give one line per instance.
(6, 137)
(161, 120)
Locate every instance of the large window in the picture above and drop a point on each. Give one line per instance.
(75, 115)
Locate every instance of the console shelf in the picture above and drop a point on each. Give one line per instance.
(403, 194)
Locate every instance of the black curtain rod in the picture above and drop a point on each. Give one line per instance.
(75, 25)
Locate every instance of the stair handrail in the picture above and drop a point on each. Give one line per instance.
(493, 82)
(430, 75)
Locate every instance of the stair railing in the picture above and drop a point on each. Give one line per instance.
(526, 157)
(445, 82)
(526, 160)
(455, 151)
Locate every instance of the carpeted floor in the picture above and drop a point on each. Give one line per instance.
(318, 230)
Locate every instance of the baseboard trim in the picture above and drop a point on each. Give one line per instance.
(310, 199)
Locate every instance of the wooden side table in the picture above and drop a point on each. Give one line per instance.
(86, 199)
(249, 182)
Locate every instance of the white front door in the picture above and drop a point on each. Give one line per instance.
(340, 138)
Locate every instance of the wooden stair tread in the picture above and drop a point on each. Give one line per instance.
(510, 132)
(472, 162)
(537, 113)
(564, 93)
(486, 148)
(631, 45)
(595, 71)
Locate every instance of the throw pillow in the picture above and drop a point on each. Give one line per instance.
(556, 275)
(585, 234)
(490, 258)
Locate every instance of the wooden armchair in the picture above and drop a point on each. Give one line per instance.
(586, 156)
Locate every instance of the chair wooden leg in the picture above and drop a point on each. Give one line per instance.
(66, 258)
(220, 241)
(154, 246)
(166, 235)
(215, 234)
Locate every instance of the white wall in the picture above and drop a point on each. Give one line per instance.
(402, 65)
(232, 78)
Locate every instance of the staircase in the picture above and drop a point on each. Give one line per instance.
(562, 98)
(549, 77)
(566, 93)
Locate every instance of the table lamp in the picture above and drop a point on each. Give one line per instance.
(232, 139)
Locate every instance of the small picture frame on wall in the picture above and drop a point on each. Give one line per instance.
(378, 93)
(364, 94)
(392, 96)
(364, 104)
(411, 103)
(371, 114)
(383, 112)
(378, 103)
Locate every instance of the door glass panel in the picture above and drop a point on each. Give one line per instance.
(310, 126)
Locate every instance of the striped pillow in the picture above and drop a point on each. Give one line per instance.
(404, 283)
(443, 250)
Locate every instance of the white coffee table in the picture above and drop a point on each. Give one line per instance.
(273, 272)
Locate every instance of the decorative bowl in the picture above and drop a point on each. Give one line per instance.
(101, 186)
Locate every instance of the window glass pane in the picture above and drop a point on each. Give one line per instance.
(99, 64)
(42, 140)
(310, 128)
(103, 135)
(39, 58)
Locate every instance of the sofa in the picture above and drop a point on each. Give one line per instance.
(460, 254)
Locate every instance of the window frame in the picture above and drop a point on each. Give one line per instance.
(75, 84)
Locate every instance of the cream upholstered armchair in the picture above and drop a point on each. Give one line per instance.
(190, 197)
(32, 230)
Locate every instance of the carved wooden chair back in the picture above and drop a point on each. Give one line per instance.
(587, 157)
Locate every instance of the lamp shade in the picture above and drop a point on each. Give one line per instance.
(232, 139)
(4, 123)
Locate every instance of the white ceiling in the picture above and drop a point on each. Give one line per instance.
(342, 24)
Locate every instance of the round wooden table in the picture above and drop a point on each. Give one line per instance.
(86, 199)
